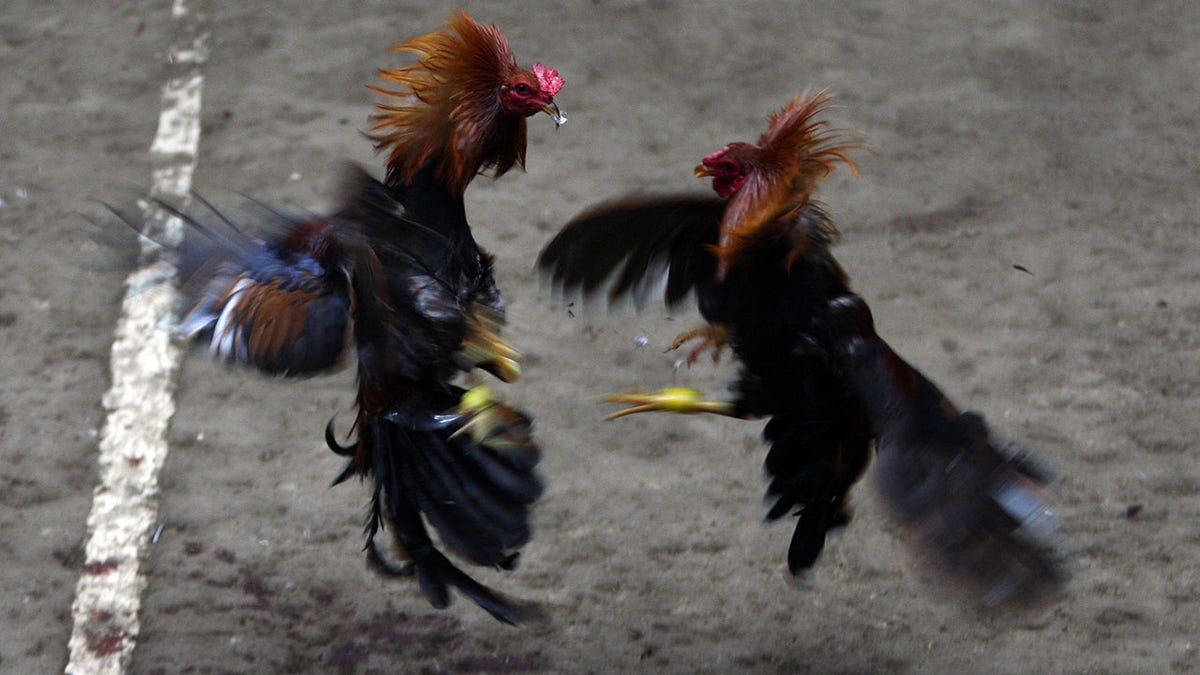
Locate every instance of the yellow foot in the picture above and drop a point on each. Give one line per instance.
(491, 421)
(484, 348)
(713, 336)
(680, 400)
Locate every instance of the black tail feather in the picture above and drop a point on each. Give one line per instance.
(331, 441)
(436, 575)
(979, 508)
(433, 467)
(452, 502)
(377, 561)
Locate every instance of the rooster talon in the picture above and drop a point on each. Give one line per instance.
(681, 400)
(694, 355)
(632, 410)
(489, 421)
(712, 336)
(484, 348)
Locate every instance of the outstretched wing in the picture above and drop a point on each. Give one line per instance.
(974, 500)
(265, 300)
(636, 247)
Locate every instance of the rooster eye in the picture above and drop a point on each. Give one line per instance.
(522, 89)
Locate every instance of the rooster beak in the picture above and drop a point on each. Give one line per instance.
(552, 110)
(701, 171)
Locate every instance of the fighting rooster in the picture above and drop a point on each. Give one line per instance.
(397, 262)
(757, 257)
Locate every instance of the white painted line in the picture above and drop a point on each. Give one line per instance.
(133, 443)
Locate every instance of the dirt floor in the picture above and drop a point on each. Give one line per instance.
(1058, 137)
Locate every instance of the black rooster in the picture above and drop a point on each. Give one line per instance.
(397, 268)
(759, 263)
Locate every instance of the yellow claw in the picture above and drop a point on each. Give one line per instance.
(476, 399)
(474, 404)
(489, 420)
(682, 400)
(484, 347)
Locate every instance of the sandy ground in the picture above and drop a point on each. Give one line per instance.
(1060, 137)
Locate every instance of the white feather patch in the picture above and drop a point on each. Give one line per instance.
(225, 331)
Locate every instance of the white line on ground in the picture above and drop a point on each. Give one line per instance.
(133, 445)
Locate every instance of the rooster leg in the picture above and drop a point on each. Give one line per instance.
(714, 337)
(680, 400)
(484, 348)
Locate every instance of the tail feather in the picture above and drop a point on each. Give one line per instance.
(977, 507)
(511, 459)
(435, 573)
(508, 470)
(433, 582)
(478, 492)
(429, 494)
(449, 467)
(473, 523)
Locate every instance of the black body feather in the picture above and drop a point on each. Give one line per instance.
(394, 274)
(830, 387)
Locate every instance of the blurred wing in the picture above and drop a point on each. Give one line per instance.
(979, 507)
(265, 302)
(637, 248)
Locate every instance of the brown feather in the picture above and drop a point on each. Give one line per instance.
(277, 318)
(444, 109)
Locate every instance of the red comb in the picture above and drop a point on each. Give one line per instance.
(548, 79)
(709, 159)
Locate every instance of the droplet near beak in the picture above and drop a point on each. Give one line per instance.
(552, 110)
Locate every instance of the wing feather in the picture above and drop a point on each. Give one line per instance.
(636, 248)
(265, 302)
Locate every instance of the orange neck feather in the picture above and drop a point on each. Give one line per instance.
(795, 154)
(445, 113)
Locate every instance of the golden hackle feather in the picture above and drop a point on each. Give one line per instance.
(792, 157)
(444, 109)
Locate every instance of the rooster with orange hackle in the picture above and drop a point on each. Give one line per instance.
(757, 259)
(395, 274)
